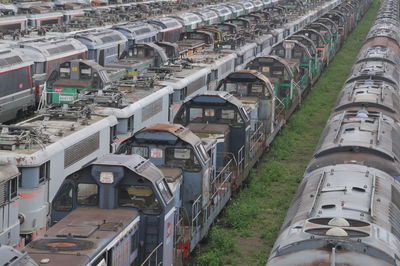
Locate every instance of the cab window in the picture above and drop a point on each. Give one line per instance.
(164, 189)
(183, 158)
(63, 201)
(87, 194)
(142, 151)
(139, 197)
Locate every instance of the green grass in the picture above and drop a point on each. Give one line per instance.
(247, 231)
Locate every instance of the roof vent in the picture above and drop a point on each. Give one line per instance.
(336, 231)
(338, 222)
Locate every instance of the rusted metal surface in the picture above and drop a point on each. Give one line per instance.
(77, 239)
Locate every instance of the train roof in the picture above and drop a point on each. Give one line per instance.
(7, 172)
(49, 49)
(11, 59)
(188, 18)
(134, 163)
(341, 198)
(33, 141)
(178, 131)
(137, 30)
(206, 13)
(82, 235)
(98, 38)
(166, 23)
(216, 97)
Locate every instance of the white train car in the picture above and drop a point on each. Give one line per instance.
(17, 96)
(46, 149)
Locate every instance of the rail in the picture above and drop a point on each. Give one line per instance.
(196, 211)
(152, 259)
(221, 181)
(240, 160)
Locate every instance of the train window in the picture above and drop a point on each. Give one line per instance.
(228, 114)
(85, 71)
(65, 70)
(130, 123)
(87, 194)
(196, 114)
(44, 172)
(13, 188)
(165, 192)
(63, 201)
(182, 157)
(140, 197)
(142, 151)
(265, 69)
(210, 112)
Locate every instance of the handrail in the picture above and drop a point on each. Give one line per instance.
(149, 258)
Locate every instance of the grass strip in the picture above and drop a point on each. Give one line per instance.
(248, 230)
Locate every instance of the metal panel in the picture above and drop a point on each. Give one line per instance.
(152, 109)
(81, 149)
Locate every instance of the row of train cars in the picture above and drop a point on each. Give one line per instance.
(346, 210)
(156, 196)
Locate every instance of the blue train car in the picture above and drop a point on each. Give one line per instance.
(104, 46)
(115, 192)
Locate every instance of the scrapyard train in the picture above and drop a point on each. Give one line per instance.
(346, 209)
(157, 199)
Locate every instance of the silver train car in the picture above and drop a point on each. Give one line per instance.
(17, 93)
(345, 209)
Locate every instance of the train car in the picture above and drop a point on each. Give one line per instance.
(339, 215)
(138, 58)
(9, 228)
(11, 24)
(357, 136)
(17, 93)
(376, 69)
(137, 32)
(340, 21)
(132, 203)
(46, 149)
(77, 76)
(285, 77)
(298, 53)
(104, 46)
(169, 29)
(189, 161)
(48, 54)
(316, 64)
(320, 42)
(369, 95)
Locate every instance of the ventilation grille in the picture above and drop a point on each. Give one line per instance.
(152, 109)
(81, 149)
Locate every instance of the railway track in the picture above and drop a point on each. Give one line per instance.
(248, 230)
